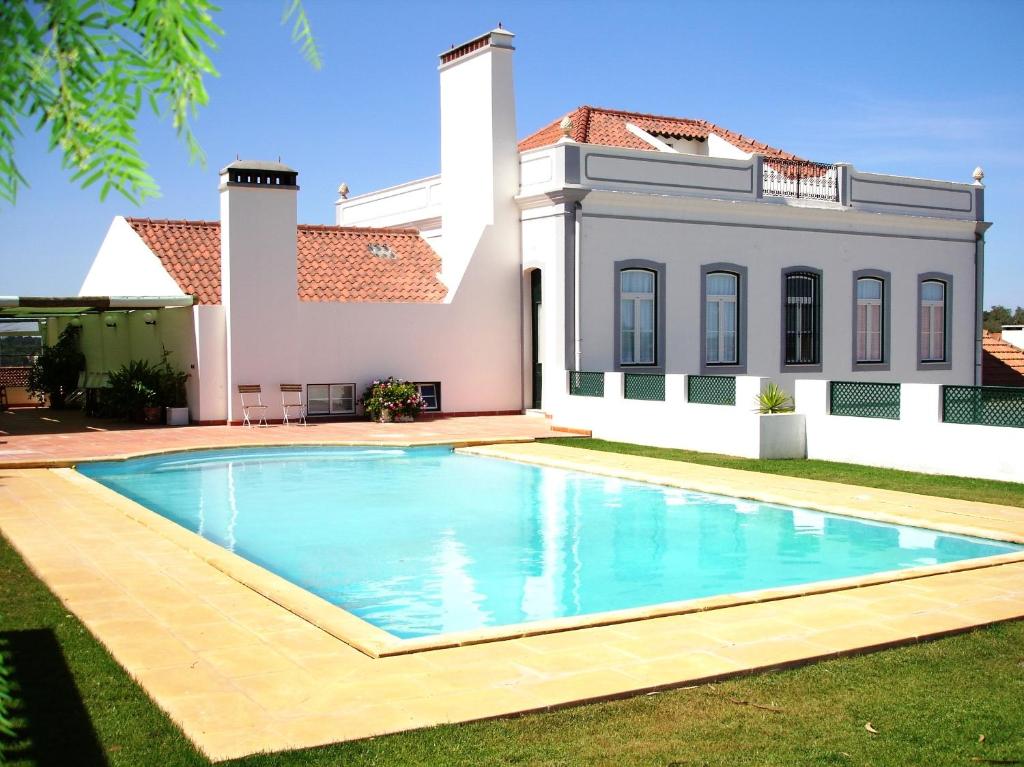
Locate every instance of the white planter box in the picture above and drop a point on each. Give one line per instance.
(782, 435)
(177, 416)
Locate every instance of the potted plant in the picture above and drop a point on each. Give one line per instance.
(54, 374)
(773, 400)
(172, 392)
(391, 399)
(134, 392)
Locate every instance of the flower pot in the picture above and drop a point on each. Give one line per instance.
(385, 416)
(177, 416)
(404, 419)
(151, 415)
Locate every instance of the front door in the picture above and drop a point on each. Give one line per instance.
(535, 354)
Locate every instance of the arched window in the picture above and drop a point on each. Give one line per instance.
(637, 316)
(721, 318)
(870, 319)
(933, 321)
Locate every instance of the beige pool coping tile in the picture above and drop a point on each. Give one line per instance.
(239, 673)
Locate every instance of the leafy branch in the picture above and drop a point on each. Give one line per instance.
(85, 68)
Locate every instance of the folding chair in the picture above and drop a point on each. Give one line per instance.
(291, 403)
(252, 402)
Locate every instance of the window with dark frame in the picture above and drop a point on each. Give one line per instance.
(431, 394)
(721, 321)
(933, 321)
(802, 311)
(637, 317)
(870, 319)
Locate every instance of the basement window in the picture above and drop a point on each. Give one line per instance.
(431, 394)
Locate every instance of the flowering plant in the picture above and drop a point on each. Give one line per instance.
(391, 398)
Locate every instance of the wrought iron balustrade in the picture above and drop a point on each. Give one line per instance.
(800, 179)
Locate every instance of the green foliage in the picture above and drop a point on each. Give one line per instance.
(132, 387)
(394, 395)
(85, 68)
(6, 698)
(172, 383)
(55, 371)
(774, 400)
(998, 315)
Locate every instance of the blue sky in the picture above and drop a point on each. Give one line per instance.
(929, 89)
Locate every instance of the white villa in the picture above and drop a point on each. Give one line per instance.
(640, 247)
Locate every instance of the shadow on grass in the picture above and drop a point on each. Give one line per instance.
(52, 726)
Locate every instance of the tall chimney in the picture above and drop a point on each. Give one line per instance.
(479, 153)
(259, 280)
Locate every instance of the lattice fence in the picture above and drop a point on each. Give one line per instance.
(586, 384)
(984, 405)
(711, 390)
(644, 386)
(864, 399)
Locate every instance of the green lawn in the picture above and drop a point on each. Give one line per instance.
(929, 703)
(987, 490)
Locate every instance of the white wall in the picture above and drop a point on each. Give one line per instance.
(124, 266)
(918, 441)
(676, 423)
(719, 147)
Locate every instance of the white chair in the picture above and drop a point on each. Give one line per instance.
(252, 404)
(291, 404)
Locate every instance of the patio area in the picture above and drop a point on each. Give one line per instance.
(40, 437)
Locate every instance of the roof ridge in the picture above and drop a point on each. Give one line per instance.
(626, 112)
(171, 221)
(359, 229)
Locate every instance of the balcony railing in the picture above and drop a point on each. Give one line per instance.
(800, 179)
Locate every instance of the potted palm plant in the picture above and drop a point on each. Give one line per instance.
(173, 395)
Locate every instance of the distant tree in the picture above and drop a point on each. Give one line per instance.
(997, 316)
(84, 68)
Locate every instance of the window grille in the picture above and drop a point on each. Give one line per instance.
(586, 384)
(644, 386)
(711, 390)
(983, 405)
(802, 311)
(865, 399)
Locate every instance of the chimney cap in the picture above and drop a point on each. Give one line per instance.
(268, 165)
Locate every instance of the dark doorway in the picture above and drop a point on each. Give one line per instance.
(535, 303)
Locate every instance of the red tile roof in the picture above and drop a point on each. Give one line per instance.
(594, 125)
(335, 263)
(1002, 363)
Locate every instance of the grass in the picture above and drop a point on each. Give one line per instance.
(929, 703)
(964, 488)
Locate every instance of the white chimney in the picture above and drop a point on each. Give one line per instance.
(1013, 334)
(259, 278)
(479, 154)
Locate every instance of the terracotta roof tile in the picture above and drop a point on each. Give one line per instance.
(334, 263)
(607, 127)
(1002, 363)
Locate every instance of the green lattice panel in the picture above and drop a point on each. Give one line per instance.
(644, 386)
(864, 399)
(711, 390)
(586, 384)
(984, 405)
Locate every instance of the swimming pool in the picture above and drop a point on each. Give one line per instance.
(426, 541)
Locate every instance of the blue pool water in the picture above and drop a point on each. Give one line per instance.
(425, 541)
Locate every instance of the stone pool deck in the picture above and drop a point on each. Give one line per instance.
(241, 674)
